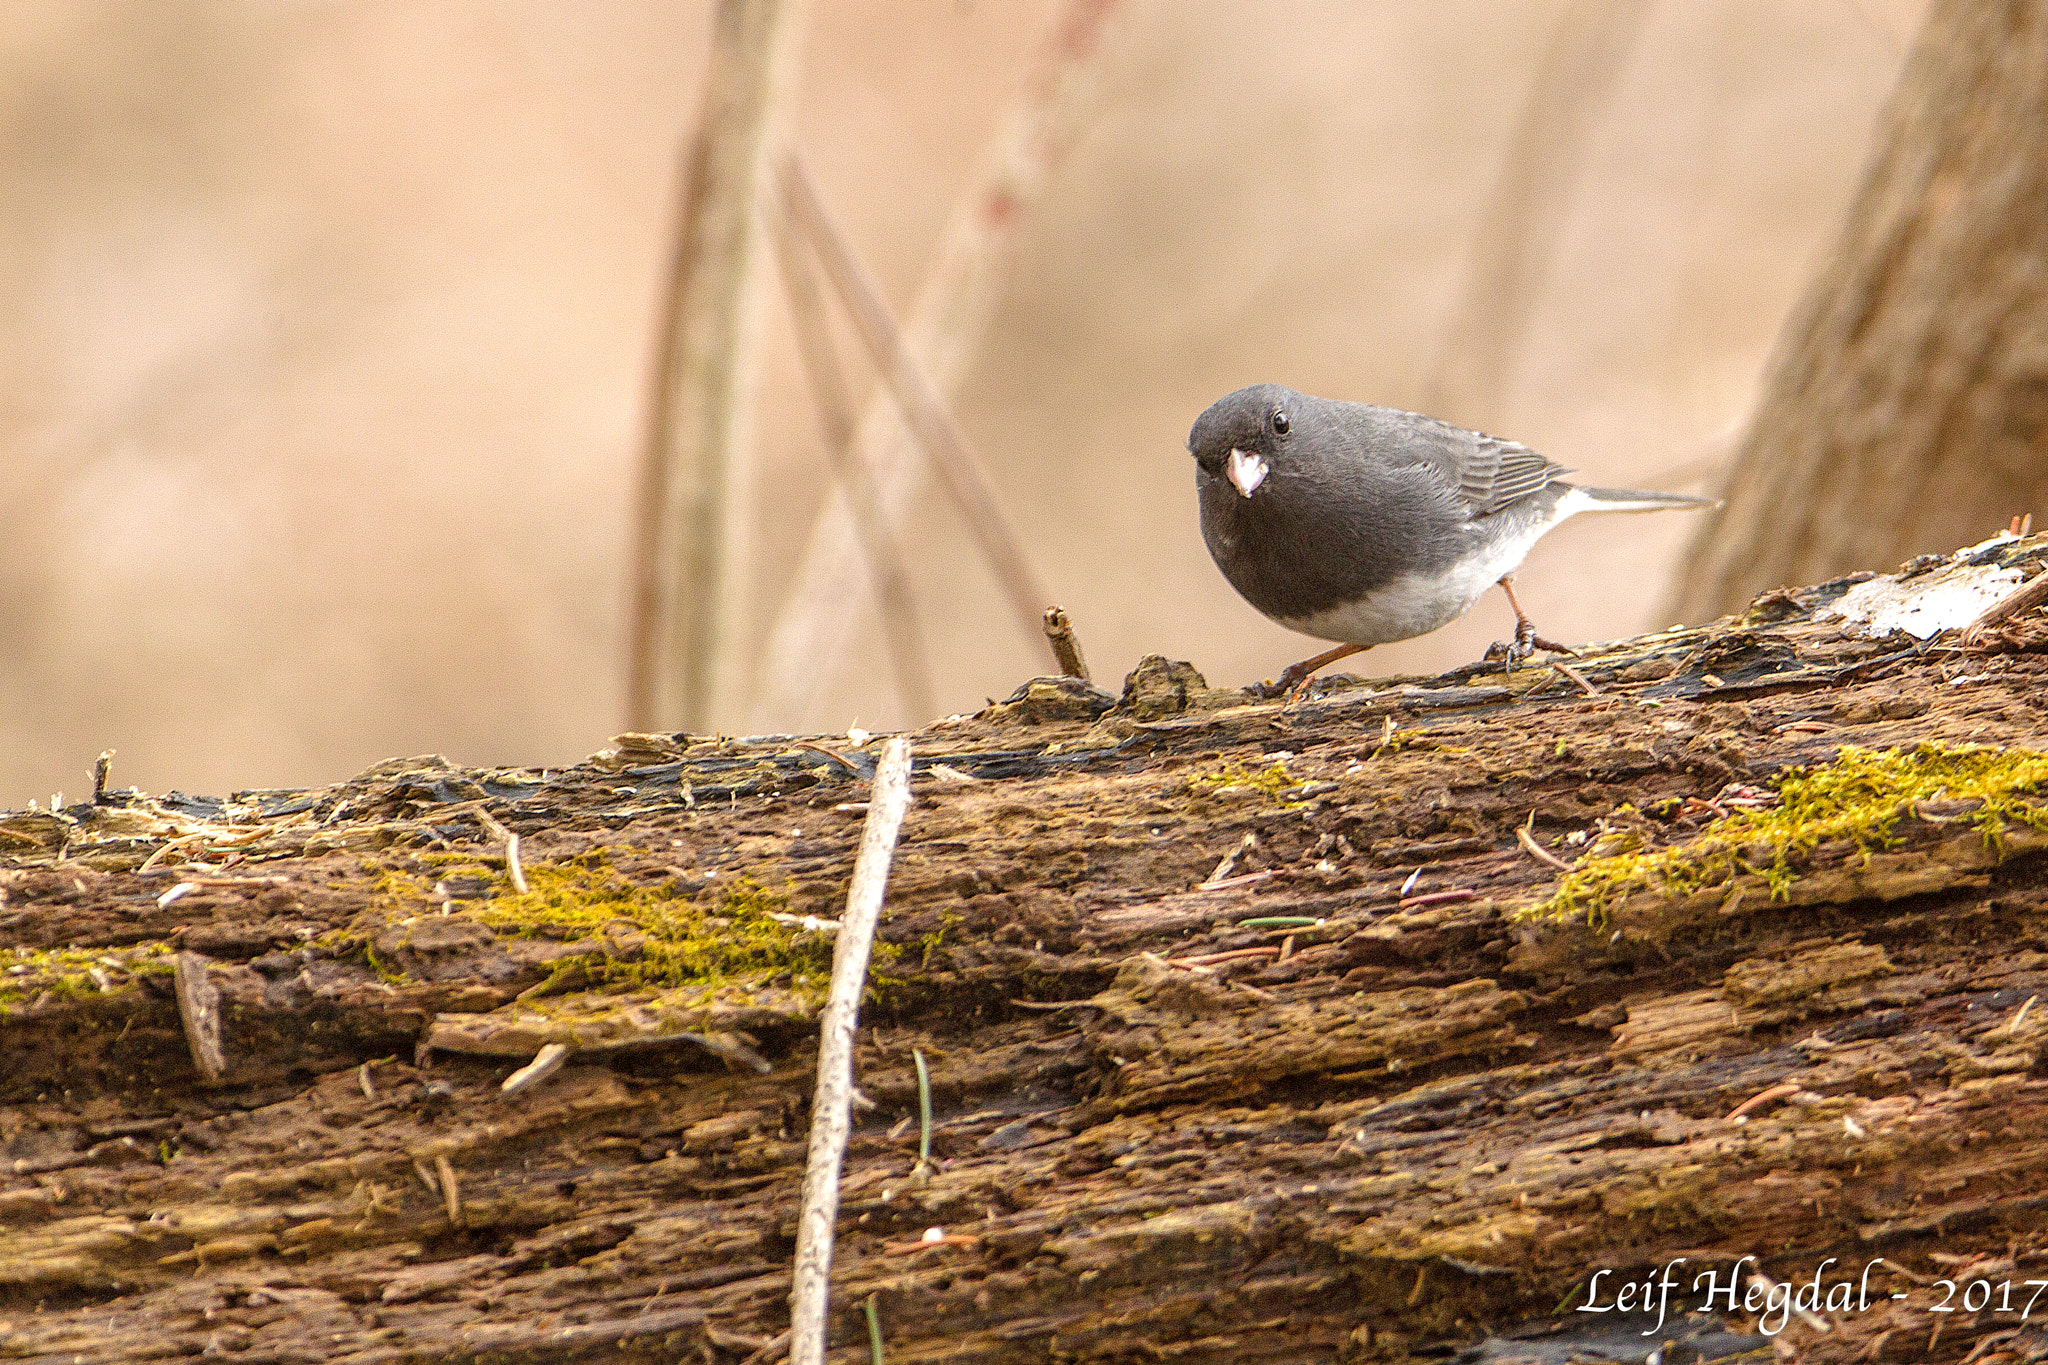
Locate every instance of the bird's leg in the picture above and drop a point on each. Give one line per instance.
(1298, 675)
(1527, 641)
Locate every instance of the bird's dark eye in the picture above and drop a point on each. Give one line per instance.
(1280, 423)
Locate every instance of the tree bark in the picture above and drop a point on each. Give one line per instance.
(1256, 1031)
(1906, 410)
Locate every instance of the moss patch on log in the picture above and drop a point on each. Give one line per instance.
(61, 973)
(1859, 798)
(643, 936)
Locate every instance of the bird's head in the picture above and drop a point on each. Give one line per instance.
(1244, 434)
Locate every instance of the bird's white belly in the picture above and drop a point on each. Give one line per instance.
(1416, 604)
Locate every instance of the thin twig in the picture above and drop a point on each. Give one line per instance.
(893, 601)
(1584, 686)
(841, 759)
(199, 1012)
(545, 1063)
(1228, 862)
(1438, 898)
(2021, 1016)
(1234, 955)
(776, 1348)
(512, 865)
(960, 469)
(1066, 646)
(685, 600)
(1536, 850)
(99, 775)
(943, 329)
(830, 1118)
(1762, 1097)
(451, 1193)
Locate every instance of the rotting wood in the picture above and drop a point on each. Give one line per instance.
(1258, 1161)
(199, 1012)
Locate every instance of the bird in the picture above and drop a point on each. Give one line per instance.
(1363, 525)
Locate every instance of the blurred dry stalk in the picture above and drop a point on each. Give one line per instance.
(688, 592)
(1904, 410)
(961, 472)
(893, 601)
(942, 332)
(1525, 213)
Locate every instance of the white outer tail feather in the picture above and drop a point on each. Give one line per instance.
(1579, 499)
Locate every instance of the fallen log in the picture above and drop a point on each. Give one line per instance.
(1255, 1032)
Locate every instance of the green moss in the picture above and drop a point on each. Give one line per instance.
(1860, 797)
(1271, 780)
(722, 934)
(26, 973)
(929, 943)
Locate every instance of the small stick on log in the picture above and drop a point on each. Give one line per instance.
(1776, 1092)
(99, 775)
(1066, 646)
(199, 1011)
(169, 846)
(1438, 898)
(512, 865)
(777, 1347)
(450, 1192)
(1233, 955)
(1228, 863)
(830, 1118)
(545, 1063)
(1536, 850)
(1577, 677)
(2026, 597)
(841, 759)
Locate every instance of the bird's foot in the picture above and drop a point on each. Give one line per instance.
(1293, 683)
(1524, 646)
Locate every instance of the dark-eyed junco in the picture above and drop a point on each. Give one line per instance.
(1363, 524)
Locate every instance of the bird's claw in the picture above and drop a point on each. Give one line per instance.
(1524, 646)
(1293, 680)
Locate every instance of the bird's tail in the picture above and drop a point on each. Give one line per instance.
(1633, 500)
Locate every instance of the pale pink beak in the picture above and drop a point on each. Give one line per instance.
(1246, 470)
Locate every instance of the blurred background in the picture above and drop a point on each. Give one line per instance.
(328, 334)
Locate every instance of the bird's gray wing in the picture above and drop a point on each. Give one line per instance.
(1487, 472)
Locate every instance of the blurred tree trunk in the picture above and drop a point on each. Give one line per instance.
(1906, 409)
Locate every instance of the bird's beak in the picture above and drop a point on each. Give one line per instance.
(1246, 470)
